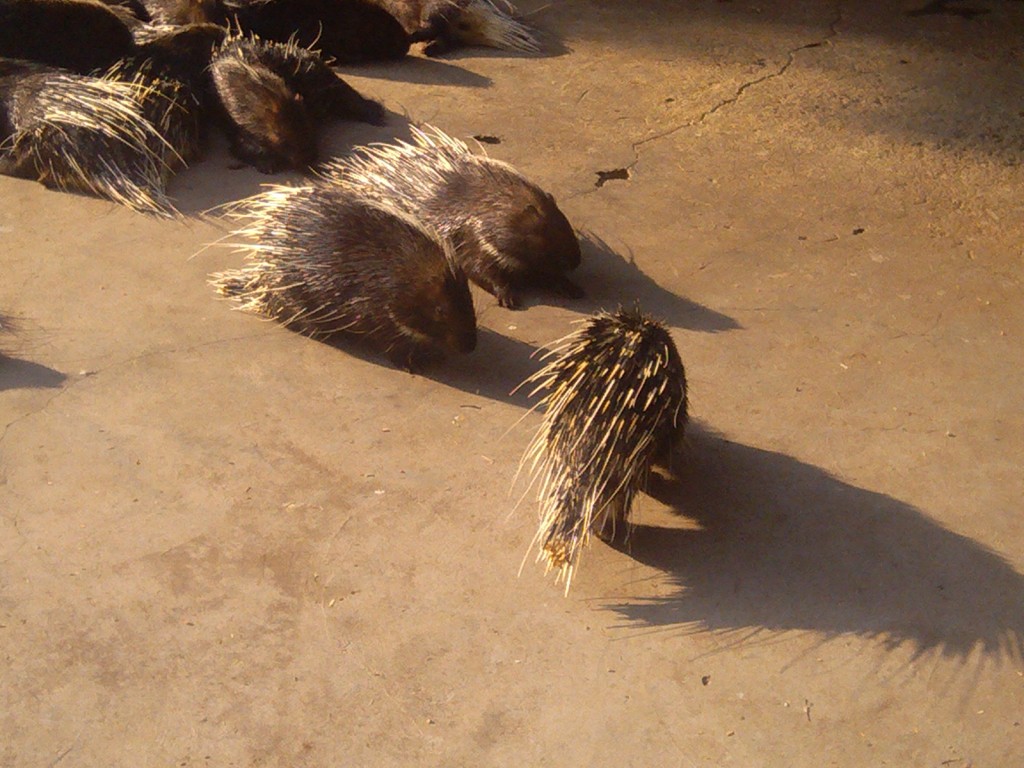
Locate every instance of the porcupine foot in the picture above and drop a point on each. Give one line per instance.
(614, 529)
(509, 299)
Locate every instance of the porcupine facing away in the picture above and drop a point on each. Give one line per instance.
(271, 96)
(508, 233)
(78, 133)
(79, 35)
(615, 403)
(448, 24)
(345, 30)
(325, 260)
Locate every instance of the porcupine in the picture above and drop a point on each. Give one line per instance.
(508, 233)
(345, 30)
(448, 24)
(171, 62)
(79, 35)
(326, 259)
(615, 398)
(273, 93)
(80, 133)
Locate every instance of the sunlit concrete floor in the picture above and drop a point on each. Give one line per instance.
(224, 544)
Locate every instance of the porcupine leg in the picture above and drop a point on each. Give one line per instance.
(614, 529)
(429, 30)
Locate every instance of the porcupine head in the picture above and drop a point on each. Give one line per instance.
(270, 112)
(286, 125)
(432, 310)
(513, 234)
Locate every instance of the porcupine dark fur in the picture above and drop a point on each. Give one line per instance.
(509, 234)
(326, 259)
(272, 95)
(78, 133)
(448, 24)
(615, 403)
(172, 61)
(78, 35)
(345, 30)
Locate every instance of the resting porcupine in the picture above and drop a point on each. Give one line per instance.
(325, 259)
(345, 30)
(171, 62)
(78, 133)
(508, 233)
(615, 400)
(448, 24)
(272, 92)
(79, 35)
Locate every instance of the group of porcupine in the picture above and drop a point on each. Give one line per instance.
(380, 244)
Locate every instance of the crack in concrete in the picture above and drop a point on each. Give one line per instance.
(833, 32)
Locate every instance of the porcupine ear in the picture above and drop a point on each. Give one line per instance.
(531, 213)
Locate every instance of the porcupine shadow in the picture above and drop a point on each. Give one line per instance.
(493, 370)
(784, 546)
(419, 70)
(218, 178)
(24, 374)
(16, 373)
(610, 280)
(551, 47)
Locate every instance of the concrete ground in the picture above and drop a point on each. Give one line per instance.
(224, 544)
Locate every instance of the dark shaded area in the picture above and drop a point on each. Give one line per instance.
(421, 71)
(23, 374)
(218, 178)
(493, 370)
(785, 546)
(611, 279)
(944, 8)
(551, 47)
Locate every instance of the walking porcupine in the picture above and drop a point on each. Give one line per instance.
(79, 35)
(508, 233)
(448, 24)
(345, 30)
(77, 133)
(271, 94)
(325, 259)
(615, 403)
